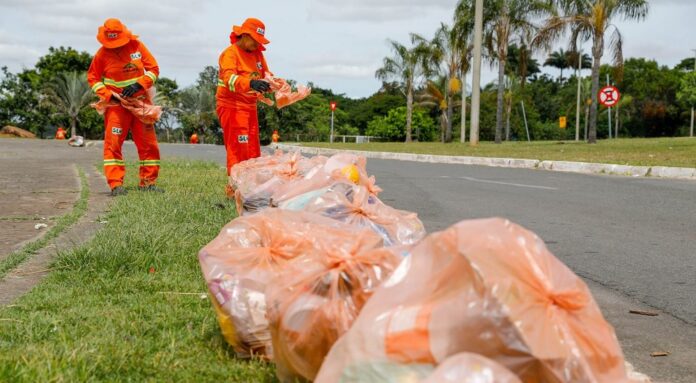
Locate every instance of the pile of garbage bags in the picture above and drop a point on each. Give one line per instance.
(331, 284)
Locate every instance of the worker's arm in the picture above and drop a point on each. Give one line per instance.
(151, 68)
(233, 78)
(95, 74)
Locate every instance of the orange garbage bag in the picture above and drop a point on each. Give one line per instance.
(284, 94)
(471, 368)
(309, 310)
(355, 204)
(255, 171)
(252, 252)
(342, 167)
(489, 287)
(142, 108)
(251, 198)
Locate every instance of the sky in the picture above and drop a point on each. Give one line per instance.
(336, 44)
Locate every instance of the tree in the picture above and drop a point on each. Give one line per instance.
(687, 95)
(558, 60)
(463, 30)
(392, 126)
(520, 63)
(405, 66)
(168, 98)
(591, 19)
(70, 94)
(504, 20)
(197, 106)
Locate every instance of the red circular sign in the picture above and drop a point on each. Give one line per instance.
(609, 96)
(333, 105)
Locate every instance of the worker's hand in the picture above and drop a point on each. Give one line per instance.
(260, 86)
(131, 90)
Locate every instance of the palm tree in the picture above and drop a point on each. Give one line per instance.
(558, 60)
(435, 94)
(463, 30)
(504, 20)
(591, 19)
(446, 57)
(70, 94)
(405, 66)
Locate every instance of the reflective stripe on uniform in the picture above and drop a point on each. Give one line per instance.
(120, 84)
(150, 163)
(98, 86)
(114, 162)
(152, 76)
(233, 79)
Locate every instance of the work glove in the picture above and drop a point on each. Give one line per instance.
(260, 86)
(131, 90)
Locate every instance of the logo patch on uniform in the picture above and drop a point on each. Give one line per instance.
(259, 65)
(243, 138)
(136, 56)
(116, 131)
(260, 31)
(112, 35)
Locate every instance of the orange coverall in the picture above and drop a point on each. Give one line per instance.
(111, 71)
(236, 103)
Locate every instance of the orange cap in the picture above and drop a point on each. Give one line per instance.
(254, 28)
(114, 34)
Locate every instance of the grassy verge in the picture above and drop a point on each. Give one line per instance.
(104, 316)
(15, 259)
(679, 152)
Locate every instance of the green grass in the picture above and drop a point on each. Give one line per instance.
(102, 316)
(679, 152)
(15, 259)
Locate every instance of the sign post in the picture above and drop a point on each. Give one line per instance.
(332, 104)
(609, 96)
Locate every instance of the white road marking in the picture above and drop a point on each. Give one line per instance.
(472, 179)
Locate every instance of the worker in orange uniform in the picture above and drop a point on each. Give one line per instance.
(275, 137)
(60, 133)
(242, 69)
(123, 65)
(194, 138)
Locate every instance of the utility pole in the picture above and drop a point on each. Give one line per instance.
(609, 110)
(691, 131)
(577, 110)
(476, 85)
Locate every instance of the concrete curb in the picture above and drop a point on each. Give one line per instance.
(559, 166)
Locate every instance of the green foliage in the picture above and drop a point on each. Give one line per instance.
(393, 126)
(687, 90)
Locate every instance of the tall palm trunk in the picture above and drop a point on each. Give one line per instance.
(448, 130)
(409, 111)
(73, 126)
(597, 51)
(462, 138)
(501, 92)
(508, 112)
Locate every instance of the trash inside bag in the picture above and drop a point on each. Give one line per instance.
(309, 310)
(342, 167)
(354, 204)
(492, 288)
(77, 141)
(252, 252)
(471, 368)
(252, 197)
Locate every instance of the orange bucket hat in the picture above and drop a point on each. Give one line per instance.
(114, 34)
(254, 28)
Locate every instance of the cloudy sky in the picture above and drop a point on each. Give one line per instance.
(336, 44)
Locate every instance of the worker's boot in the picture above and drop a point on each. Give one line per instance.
(151, 188)
(118, 191)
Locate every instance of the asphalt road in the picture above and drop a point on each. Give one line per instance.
(633, 240)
